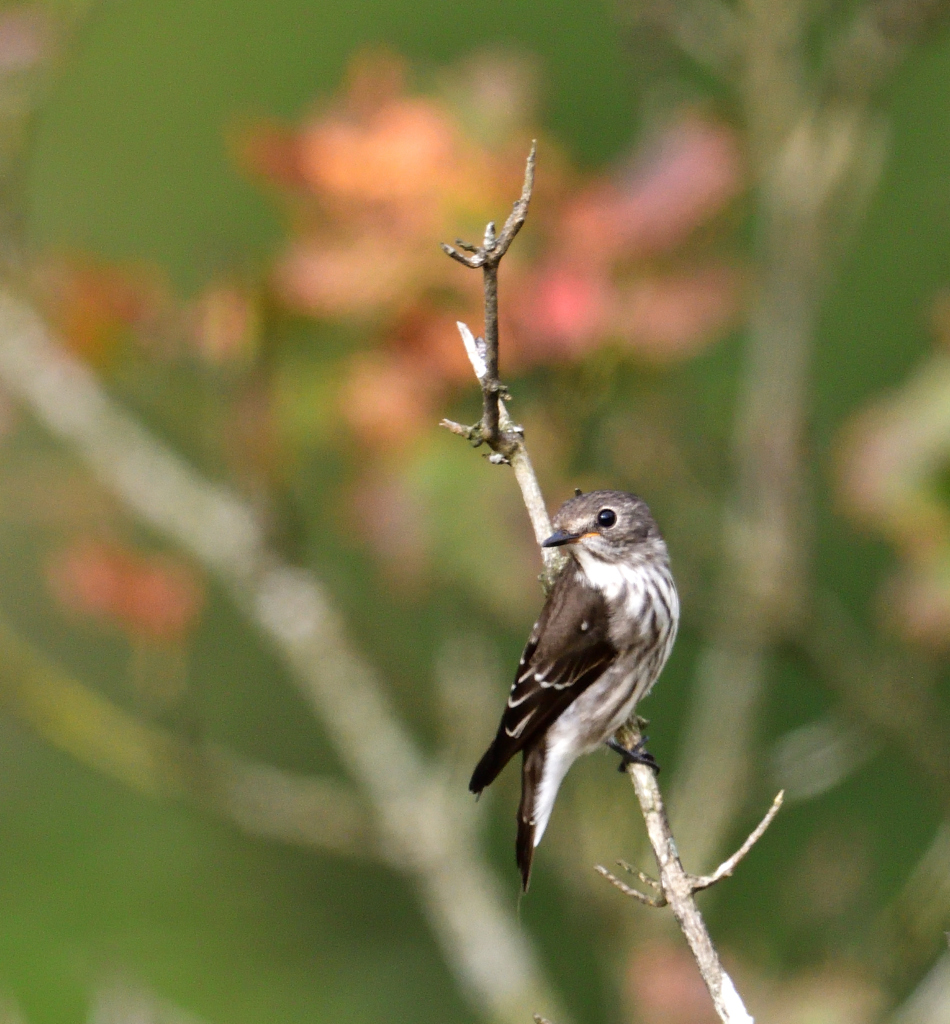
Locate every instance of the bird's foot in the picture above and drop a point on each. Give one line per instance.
(637, 755)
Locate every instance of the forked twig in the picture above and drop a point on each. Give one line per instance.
(486, 257)
(496, 428)
(696, 882)
(490, 252)
(645, 878)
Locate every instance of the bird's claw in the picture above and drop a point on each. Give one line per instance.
(637, 755)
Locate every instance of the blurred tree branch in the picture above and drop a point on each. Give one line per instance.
(259, 799)
(877, 41)
(929, 1003)
(886, 690)
(913, 926)
(675, 887)
(816, 142)
(707, 31)
(422, 829)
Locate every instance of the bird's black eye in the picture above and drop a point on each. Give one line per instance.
(606, 517)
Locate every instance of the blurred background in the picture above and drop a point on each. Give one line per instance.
(258, 615)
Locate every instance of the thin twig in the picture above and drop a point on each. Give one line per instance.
(469, 433)
(493, 248)
(645, 878)
(486, 257)
(727, 867)
(627, 890)
(696, 882)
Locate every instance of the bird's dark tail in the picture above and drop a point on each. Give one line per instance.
(486, 771)
(531, 770)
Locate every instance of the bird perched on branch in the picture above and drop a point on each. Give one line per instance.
(597, 648)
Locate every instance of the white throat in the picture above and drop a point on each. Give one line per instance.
(610, 578)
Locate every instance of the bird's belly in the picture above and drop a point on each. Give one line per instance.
(590, 720)
(599, 711)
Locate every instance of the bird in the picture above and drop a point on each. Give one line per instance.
(601, 640)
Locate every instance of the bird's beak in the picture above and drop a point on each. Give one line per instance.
(559, 538)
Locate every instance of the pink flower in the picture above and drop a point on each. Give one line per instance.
(560, 312)
(329, 278)
(152, 597)
(673, 316)
(404, 150)
(666, 988)
(385, 399)
(694, 170)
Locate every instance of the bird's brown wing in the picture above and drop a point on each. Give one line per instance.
(567, 651)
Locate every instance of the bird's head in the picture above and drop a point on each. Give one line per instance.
(611, 525)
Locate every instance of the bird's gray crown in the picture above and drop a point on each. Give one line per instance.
(613, 525)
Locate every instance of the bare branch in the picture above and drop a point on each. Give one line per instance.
(519, 211)
(493, 248)
(727, 867)
(519, 460)
(496, 429)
